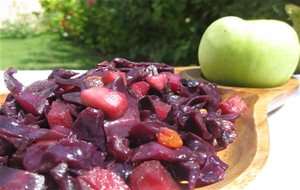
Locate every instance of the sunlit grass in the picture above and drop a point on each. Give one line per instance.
(45, 51)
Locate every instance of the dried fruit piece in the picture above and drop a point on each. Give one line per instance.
(92, 81)
(113, 103)
(151, 175)
(203, 112)
(169, 138)
(100, 179)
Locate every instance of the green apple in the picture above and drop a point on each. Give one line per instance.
(249, 53)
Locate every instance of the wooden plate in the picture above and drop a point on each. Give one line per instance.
(248, 154)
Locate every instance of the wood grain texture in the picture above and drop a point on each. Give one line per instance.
(248, 154)
(2, 98)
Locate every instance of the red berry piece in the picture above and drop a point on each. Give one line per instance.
(175, 82)
(151, 175)
(60, 115)
(140, 89)
(157, 82)
(111, 76)
(102, 179)
(233, 105)
(113, 103)
(162, 109)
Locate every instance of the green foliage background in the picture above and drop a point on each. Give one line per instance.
(155, 30)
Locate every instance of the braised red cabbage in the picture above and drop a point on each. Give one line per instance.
(52, 157)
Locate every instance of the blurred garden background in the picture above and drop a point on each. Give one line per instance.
(77, 34)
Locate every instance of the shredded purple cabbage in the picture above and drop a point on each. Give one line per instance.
(41, 157)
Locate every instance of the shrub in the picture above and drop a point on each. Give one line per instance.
(27, 25)
(293, 11)
(157, 30)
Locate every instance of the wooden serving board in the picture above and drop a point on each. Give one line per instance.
(248, 154)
